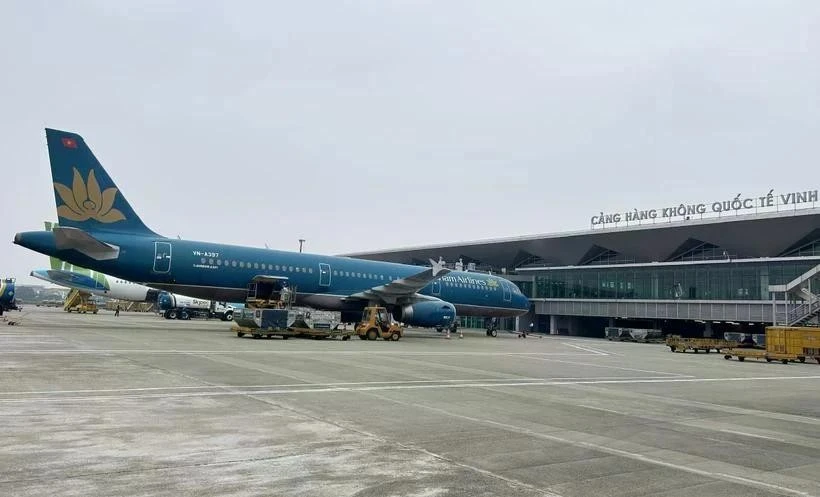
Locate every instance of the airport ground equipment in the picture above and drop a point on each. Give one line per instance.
(378, 322)
(286, 323)
(79, 301)
(633, 334)
(784, 344)
(7, 299)
(174, 306)
(491, 327)
(678, 344)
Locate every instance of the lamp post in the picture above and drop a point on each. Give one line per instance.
(301, 241)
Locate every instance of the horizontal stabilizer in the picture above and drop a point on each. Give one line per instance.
(77, 239)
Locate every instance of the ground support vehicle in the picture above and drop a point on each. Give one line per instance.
(678, 344)
(784, 344)
(286, 323)
(173, 306)
(79, 301)
(378, 322)
(633, 334)
(491, 327)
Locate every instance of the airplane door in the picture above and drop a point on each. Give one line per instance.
(507, 292)
(324, 274)
(162, 257)
(437, 287)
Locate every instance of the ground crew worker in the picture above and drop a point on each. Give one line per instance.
(117, 312)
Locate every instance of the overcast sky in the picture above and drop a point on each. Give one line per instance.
(376, 124)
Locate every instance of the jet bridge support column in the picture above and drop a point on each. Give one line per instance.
(553, 324)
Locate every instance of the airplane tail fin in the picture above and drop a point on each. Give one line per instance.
(86, 196)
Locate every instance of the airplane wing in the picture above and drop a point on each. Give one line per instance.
(404, 288)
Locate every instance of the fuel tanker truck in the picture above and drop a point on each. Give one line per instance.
(175, 306)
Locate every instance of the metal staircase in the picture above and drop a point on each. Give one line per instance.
(804, 314)
(807, 312)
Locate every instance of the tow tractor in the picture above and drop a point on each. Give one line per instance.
(378, 322)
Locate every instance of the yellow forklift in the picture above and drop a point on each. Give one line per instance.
(378, 322)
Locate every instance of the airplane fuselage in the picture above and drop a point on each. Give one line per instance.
(222, 272)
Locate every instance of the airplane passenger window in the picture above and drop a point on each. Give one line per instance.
(219, 262)
(233, 263)
(277, 267)
(210, 262)
(241, 264)
(202, 260)
(290, 268)
(256, 265)
(297, 269)
(310, 270)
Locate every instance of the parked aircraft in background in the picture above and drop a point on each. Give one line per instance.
(100, 230)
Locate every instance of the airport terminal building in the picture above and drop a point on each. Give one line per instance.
(695, 269)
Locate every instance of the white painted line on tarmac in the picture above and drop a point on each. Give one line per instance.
(588, 349)
(370, 388)
(598, 365)
(743, 433)
(293, 352)
(287, 385)
(602, 409)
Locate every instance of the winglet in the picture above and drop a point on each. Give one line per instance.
(437, 267)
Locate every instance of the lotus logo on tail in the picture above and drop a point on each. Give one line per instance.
(85, 201)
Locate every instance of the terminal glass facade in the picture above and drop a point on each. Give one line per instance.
(723, 281)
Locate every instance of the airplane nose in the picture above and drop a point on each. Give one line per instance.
(523, 302)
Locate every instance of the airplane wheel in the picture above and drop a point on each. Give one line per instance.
(372, 334)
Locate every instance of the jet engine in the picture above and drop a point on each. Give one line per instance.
(430, 314)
